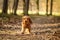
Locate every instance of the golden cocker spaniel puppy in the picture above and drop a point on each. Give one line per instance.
(26, 24)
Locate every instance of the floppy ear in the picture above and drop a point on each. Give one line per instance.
(30, 20)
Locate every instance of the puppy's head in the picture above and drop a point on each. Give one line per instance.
(26, 19)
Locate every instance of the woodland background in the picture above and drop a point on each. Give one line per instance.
(45, 15)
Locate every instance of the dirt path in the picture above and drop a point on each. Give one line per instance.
(41, 32)
(43, 28)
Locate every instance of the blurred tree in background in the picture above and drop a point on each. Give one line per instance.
(51, 7)
(15, 5)
(38, 6)
(5, 6)
(26, 7)
(47, 7)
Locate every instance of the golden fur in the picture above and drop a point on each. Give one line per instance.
(26, 24)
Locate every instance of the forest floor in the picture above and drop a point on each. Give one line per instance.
(43, 28)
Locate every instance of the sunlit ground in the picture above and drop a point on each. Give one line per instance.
(0, 11)
(20, 12)
(56, 13)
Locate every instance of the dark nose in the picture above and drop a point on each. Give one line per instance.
(25, 21)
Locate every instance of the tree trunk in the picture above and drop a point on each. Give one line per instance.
(47, 7)
(38, 6)
(26, 7)
(51, 6)
(15, 6)
(5, 6)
